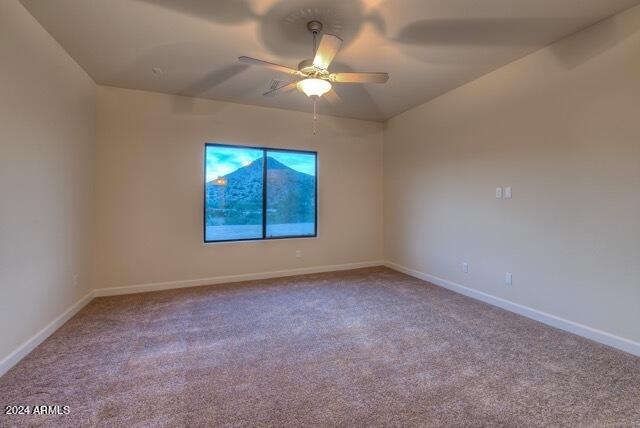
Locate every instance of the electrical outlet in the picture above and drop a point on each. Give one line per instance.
(298, 253)
(465, 267)
(508, 278)
(507, 192)
(76, 279)
(498, 192)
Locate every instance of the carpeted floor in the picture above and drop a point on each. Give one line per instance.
(369, 347)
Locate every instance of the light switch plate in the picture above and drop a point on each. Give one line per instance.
(508, 278)
(507, 192)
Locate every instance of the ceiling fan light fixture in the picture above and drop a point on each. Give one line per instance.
(314, 87)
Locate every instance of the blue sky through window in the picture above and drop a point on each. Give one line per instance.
(301, 162)
(224, 160)
(221, 161)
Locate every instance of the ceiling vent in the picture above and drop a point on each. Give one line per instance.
(275, 84)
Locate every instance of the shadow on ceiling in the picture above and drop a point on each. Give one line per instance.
(282, 31)
(478, 31)
(282, 28)
(578, 49)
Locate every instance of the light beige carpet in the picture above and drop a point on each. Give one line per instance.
(370, 347)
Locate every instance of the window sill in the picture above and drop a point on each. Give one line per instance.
(275, 239)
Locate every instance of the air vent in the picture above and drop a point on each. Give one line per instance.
(275, 84)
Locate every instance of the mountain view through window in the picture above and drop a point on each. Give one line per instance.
(256, 193)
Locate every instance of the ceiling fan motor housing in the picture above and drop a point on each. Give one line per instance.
(306, 66)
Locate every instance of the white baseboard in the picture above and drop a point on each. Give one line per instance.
(28, 346)
(552, 320)
(596, 335)
(141, 288)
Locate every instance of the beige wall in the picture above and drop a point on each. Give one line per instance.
(148, 222)
(562, 127)
(47, 130)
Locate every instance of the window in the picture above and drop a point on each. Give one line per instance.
(259, 193)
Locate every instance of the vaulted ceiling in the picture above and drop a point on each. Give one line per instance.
(190, 47)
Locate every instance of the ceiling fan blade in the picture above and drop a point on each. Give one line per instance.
(277, 67)
(326, 51)
(281, 89)
(359, 77)
(332, 97)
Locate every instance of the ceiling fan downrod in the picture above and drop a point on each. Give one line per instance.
(315, 27)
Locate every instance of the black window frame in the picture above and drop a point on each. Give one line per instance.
(264, 193)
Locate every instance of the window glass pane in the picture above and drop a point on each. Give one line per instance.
(291, 194)
(233, 193)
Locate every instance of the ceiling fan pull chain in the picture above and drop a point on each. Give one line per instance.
(315, 116)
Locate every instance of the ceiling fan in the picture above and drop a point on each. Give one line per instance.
(312, 77)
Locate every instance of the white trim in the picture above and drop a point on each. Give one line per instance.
(142, 288)
(21, 351)
(244, 241)
(621, 343)
(600, 336)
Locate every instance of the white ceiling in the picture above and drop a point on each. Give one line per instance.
(428, 46)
